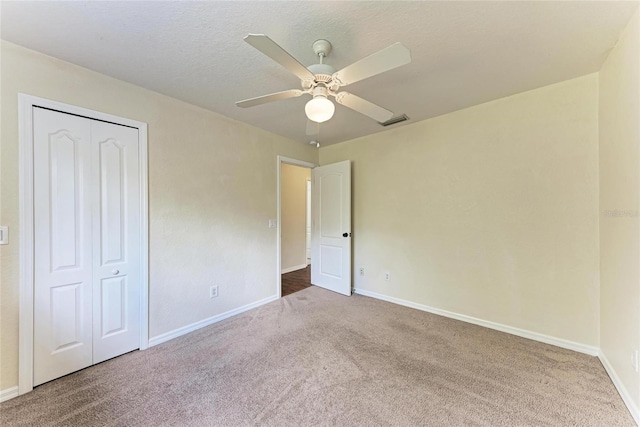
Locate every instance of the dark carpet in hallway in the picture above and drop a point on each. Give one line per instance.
(296, 281)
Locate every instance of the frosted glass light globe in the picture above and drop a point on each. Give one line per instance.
(319, 109)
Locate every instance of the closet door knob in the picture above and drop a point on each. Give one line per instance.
(114, 272)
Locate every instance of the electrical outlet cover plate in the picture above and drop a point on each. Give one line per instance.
(213, 292)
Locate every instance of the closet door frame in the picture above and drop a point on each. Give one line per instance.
(26, 104)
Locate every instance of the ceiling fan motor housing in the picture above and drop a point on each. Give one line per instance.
(323, 74)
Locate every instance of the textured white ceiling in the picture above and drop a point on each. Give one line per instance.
(464, 53)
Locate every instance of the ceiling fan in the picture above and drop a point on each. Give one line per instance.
(322, 81)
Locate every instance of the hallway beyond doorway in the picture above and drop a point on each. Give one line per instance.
(296, 280)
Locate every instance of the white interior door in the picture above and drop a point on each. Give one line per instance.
(62, 258)
(331, 236)
(87, 235)
(116, 240)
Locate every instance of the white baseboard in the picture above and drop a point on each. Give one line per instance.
(297, 267)
(206, 322)
(8, 393)
(559, 342)
(622, 390)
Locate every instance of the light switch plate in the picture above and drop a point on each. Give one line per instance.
(272, 223)
(4, 235)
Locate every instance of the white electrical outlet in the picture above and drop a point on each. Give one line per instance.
(362, 271)
(634, 360)
(387, 276)
(213, 292)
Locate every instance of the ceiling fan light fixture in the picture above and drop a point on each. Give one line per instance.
(319, 109)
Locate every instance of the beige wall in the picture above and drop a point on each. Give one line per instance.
(490, 211)
(619, 206)
(212, 190)
(293, 215)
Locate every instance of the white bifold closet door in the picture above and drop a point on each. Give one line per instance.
(87, 242)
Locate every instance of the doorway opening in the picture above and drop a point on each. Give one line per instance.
(330, 226)
(294, 225)
(295, 228)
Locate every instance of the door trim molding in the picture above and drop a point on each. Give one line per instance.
(295, 162)
(26, 103)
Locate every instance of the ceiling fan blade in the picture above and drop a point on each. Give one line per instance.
(363, 106)
(386, 59)
(270, 48)
(313, 128)
(269, 98)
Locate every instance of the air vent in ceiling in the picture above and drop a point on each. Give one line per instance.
(394, 120)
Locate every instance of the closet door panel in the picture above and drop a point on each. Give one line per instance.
(62, 232)
(116, 240)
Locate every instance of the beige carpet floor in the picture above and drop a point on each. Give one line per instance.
(318, 358)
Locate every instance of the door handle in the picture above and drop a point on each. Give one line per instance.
(114, 272)
(346, 234)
